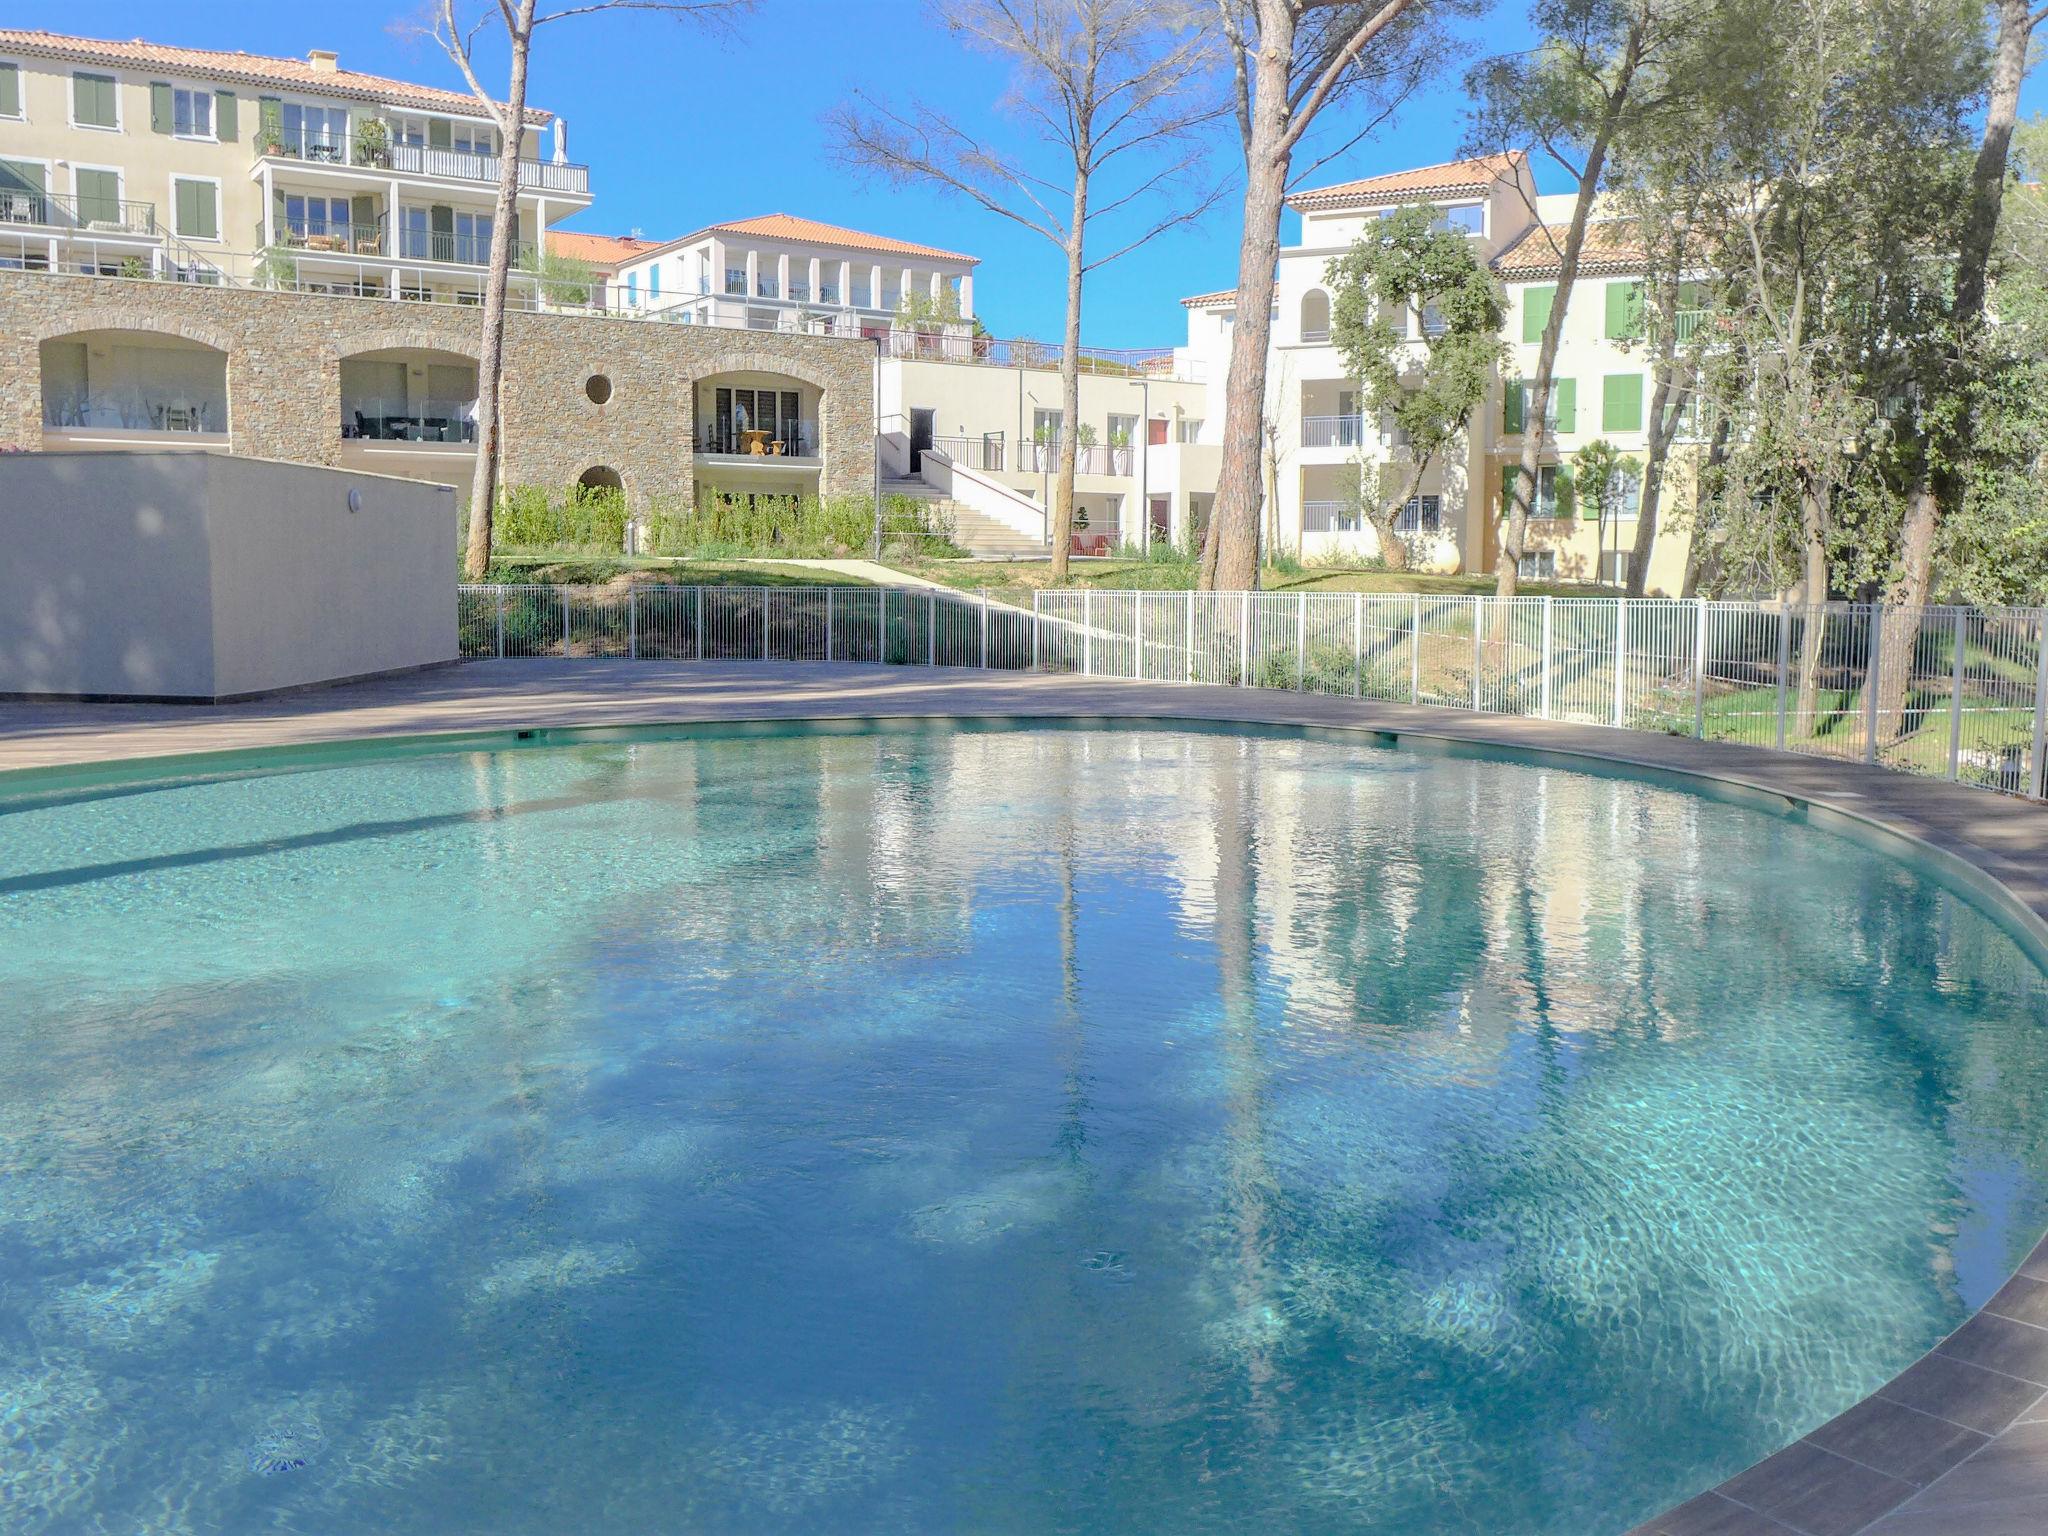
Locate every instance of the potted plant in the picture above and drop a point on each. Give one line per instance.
(134, 266)
(373, 142)
(1120, 450)
(1041, 439)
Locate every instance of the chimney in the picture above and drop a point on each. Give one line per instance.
(325, 61)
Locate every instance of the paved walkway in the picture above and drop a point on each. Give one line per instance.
(1955, 1446)
(864, 570)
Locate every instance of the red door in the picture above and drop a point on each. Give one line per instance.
(1155, 432)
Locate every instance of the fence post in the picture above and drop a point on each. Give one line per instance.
(1543, 678)
(764, 623)
(501, 623)
(1358, 645)
(1699, 669)
(632, 622)
(1621, 662)
(1478, 647)
(931, 629)
(1244, 640)
(1955, 697)
(1037, 620)
(1191, 635)
(2041, 709)
(1301, 643)
(882, 631)
(1415, 653)
(697, 607)
(828, 623)
(1784, 664)
(565, 620)
(1087, 631)
(1138, 632)
(1873, 665)
(984, 629)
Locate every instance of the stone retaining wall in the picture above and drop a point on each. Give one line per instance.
(284, 374)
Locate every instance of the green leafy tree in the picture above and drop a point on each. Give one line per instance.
(564, 281)
(1426, 388)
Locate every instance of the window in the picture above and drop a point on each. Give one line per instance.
(632, 290)
(1623, 498)
(191, 113)
(95, 103)
(1467, 217)
(315, 218)
(765, 284)
(1423, 514)
(1562, 410)
(10, 90)
(1621, 403)
(862, 292)
(1433, 321)
(473, 139)
(1123, 431)
(1538, 565)
(1551, 482)
(472, 237)
(314, 133)
(197, 205)
(736, 281)
(1190, 429)
(654, 281)
(414, 233)
(1315, 315)
(1536, 302)
(23, 184)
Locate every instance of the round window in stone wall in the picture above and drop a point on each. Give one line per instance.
(598, 387)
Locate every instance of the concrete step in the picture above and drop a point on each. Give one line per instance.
(987, 539)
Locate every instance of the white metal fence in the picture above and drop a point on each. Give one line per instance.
(1962, 693)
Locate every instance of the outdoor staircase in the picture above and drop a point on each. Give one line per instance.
(981, 536)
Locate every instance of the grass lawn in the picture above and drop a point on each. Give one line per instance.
(573, 569)
(1158, 575)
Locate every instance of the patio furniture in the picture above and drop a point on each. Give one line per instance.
(754, 441)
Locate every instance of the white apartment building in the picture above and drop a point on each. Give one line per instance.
(1319, 435)
(960, 412)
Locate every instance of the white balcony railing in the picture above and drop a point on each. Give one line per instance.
(1332, 431)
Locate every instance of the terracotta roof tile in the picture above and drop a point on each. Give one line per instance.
(246, 69)
(787, 226)
(1209, 298)
(1611, 247)
(598, 250)
(1449, 179)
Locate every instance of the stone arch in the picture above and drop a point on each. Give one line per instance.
(1315, 314)
(417, 337)
(747, 360)
(115, 319)
(600, 477)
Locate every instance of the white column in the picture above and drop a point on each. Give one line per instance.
(270, 209)
(753, 273)
(967, 296)
(903, 284)
(390, 216)
(813, 276)
(718, 266)
(937, 286)
(845, 284)
(782, 275)
(875, 286)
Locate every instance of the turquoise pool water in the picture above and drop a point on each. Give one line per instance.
(1032, 1131)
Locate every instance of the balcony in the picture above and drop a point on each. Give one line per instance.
(1332, 431)
(984, 452)
(335, 236)
(394, 421)
(797, 440)
(462, 250)
(90, 215)
(318, 146)
(1043, 458)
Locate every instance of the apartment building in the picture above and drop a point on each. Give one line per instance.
(1321, 443)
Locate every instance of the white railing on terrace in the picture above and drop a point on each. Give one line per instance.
(1971, 686)
(1332, 431)
(327, 146)
(343, 274)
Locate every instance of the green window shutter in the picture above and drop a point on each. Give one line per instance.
(362, 217)
(1536, 304)
(92, 100)
(227, 126)
(1624, 311)
(197, 216)
(1565, 392)
(1621, 403)
(22, 176)
(159, 106)
(1509, 473)
(1514, 407)
(99, 195)
(441, 220)
(440, 133)
(10, 90)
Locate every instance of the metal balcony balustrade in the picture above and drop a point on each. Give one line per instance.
(1332, 431)
(321, 146)
(97, 215)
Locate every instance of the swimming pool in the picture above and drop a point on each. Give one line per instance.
(1138, 1130)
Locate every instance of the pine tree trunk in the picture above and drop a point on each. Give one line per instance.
(1654, 460)
(1814, 521)
(1230, 554)
(483, 486)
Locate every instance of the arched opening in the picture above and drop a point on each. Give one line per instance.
(1315, 315)
(108, 385)
(759, 433)
(599, 479)
(409, 395)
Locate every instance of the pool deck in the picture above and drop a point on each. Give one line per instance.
(1957, 1445)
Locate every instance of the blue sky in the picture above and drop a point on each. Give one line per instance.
(682, 129)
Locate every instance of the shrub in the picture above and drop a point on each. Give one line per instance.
(535, 517)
